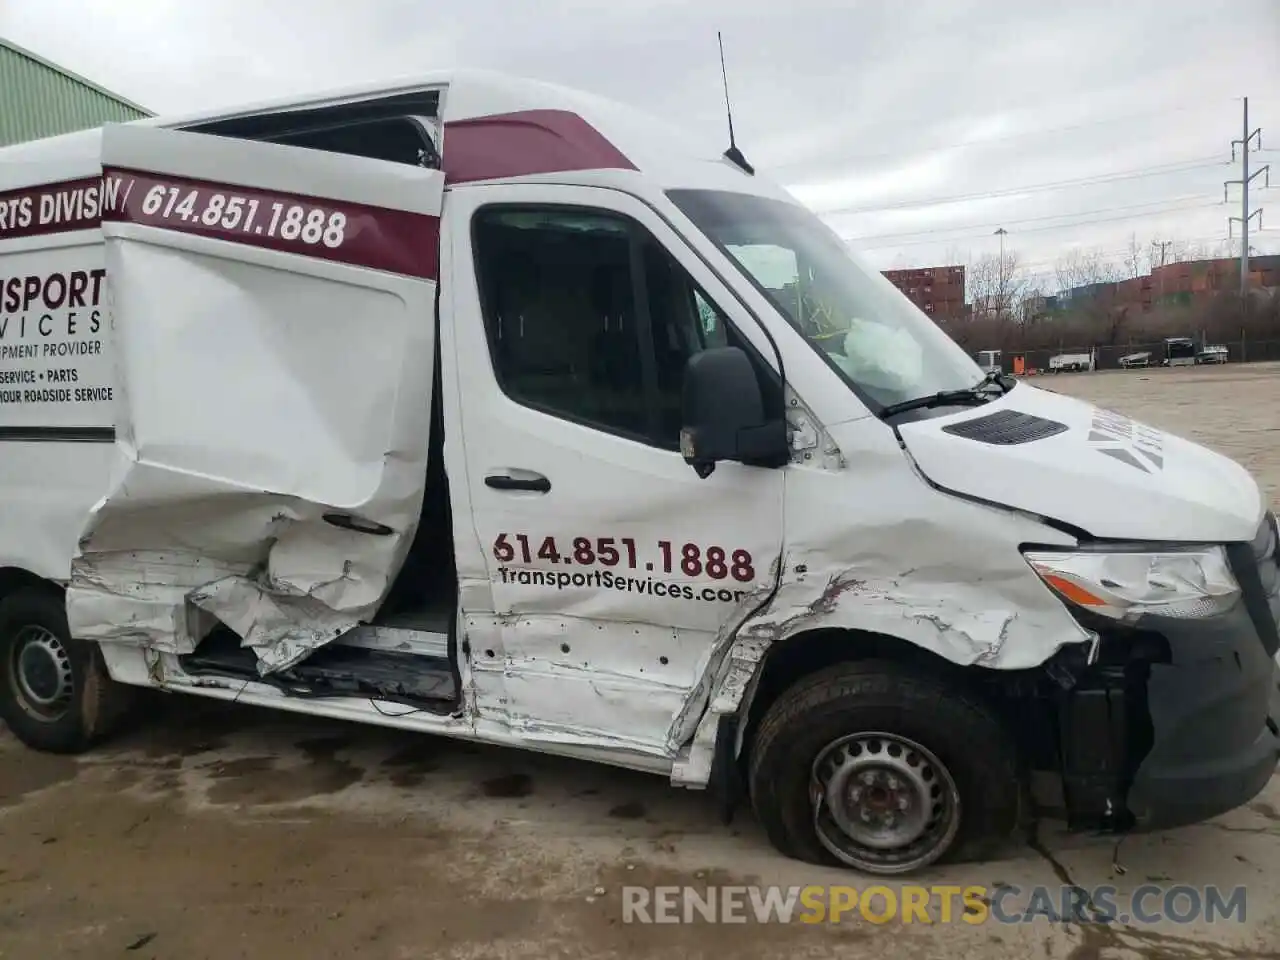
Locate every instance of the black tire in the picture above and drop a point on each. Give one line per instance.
(93, 707)
(868, 697)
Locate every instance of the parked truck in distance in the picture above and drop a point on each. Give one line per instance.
(1071, 362)
(1132, 361)
(1179, 352)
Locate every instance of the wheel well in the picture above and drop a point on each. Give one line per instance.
(13, 579)
(806, 653)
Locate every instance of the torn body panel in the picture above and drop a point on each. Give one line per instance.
(271, 431)
(874, 549)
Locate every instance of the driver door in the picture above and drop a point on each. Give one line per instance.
(603, 566)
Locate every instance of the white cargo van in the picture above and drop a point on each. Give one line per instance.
(486, 409)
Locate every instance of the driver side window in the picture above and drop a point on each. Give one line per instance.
(684, 322)
(589, 318)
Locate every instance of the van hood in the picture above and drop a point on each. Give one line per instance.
(1108, 475)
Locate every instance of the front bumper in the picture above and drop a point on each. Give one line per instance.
(1180, 720)
(1215, 718)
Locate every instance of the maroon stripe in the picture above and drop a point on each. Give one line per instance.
(482, 148)
(51, 208)
(526, 143)
(336, 230)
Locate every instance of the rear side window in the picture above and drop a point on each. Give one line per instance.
(590, 319)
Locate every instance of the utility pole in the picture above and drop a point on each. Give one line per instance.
(1245, 179)
(1163, 245)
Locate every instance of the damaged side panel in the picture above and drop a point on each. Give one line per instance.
(271, 441)
(875, 549)
(570, 680)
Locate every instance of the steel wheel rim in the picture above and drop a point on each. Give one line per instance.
(883, 803)
(40, 674)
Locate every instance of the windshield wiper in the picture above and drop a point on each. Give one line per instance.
(975, 394)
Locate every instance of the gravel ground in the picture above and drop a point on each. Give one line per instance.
(1232, 408)
(222, 832)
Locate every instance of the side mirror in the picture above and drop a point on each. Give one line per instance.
(724, 414)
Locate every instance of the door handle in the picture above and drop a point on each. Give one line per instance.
(348, 522)
(534, 482)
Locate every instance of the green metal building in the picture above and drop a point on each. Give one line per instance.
(40, 99)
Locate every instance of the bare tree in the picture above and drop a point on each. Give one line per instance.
(1084, 268)
(1086, 281)
(1164, 256)
(1186, 250)
(997, 287)
(1137, 258)
(1212, 250)
(1033, 305)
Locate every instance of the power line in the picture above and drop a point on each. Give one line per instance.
(1056, 216)
(1042, 267)
(1061, 226)
(1184, 166)
(1005, 138)
(1124, 253)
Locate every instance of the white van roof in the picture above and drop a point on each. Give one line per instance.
(532, 126)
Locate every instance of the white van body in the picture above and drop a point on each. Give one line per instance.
(219, 362)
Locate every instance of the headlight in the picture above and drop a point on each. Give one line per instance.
(1191, 584)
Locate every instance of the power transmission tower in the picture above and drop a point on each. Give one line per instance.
(1245, 179)
(1163, 245)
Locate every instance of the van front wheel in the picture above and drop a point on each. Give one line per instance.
(873, 766)
(55, 693)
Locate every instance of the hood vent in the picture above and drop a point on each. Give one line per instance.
(1006, 428)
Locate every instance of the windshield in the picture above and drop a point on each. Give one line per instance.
(868, 331)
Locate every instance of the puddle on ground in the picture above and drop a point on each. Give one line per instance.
(263, 780)
(24, 772)
(512, 785)
(409, 766)
(629, 811)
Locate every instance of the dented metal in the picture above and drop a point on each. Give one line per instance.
(270, 454)
(874, 549)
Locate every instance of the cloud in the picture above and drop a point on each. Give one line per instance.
(874, 113)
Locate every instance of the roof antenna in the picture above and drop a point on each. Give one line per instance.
(733, 154)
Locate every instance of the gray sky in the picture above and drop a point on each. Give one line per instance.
(871, 112)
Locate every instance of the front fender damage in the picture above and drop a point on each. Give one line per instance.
(1000, 619)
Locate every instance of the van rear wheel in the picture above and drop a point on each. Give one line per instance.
(55, 693)
(873, 766)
